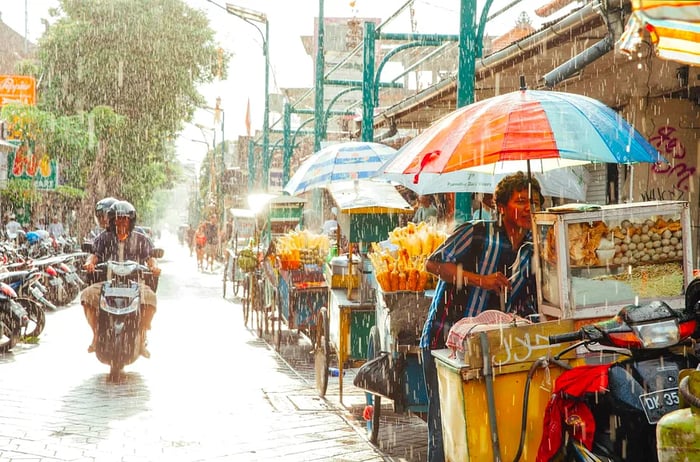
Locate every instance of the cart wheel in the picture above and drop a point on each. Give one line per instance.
(236, 280)
(322, 352)
(246, 299)
(277, 333)
(228, 260)
(258, 303)
(374, 346)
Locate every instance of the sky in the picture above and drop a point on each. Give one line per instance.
(290, 65)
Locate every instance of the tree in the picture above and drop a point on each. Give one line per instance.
(143, 59)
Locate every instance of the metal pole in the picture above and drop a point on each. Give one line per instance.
(368, 89)
(468, 49)
(319, 129)
(266, 113)
(222, 173)
(287, 157)
(251, 164)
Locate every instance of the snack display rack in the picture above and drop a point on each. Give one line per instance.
(591, 263)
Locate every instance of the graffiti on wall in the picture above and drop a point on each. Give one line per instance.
(677, 171)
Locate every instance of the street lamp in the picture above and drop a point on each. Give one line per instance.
(252, 17)
(216, 110)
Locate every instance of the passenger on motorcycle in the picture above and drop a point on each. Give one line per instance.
(101, 217)
(137, 247)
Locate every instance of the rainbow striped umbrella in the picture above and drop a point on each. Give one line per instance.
(673, 27)
(352, 160)
(526, 130)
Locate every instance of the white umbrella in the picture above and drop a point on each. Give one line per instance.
(569, 183)
(353, 160)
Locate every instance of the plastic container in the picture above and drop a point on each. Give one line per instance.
(678, 432)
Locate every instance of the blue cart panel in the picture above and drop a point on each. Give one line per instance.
(301, 295)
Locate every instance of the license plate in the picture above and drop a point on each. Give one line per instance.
(659, 403)
(55, 282)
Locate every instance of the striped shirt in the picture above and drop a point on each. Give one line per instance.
(482, 248)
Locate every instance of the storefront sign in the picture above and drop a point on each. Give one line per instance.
(17, 89)
(36, 166)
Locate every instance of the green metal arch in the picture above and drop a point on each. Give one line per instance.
(296, 132)
(336, 98)
(398, 49)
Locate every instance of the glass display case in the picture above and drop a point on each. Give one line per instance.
(591, 263)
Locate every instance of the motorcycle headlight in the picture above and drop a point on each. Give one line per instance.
(660, 334)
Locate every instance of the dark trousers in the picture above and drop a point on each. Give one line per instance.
(436, 451)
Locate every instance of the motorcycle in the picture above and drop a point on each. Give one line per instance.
(608, 411)
(30, 294)
(13, 318)
(119, 315)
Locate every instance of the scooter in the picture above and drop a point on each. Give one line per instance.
(609, 411)
(119, 315)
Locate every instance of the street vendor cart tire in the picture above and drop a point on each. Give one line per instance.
(373, 348)
(322, 352)
(246, 299)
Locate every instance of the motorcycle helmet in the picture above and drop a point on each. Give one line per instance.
(122, 219)
(101, 209)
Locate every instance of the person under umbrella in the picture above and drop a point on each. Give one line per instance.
(482, 265)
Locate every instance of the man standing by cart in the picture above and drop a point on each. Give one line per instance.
(482, 265)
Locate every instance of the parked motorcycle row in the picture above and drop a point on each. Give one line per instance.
(35, 277)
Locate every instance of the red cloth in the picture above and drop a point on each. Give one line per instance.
(563, 406)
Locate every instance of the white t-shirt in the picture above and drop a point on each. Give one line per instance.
(12, 227)
(56, 230)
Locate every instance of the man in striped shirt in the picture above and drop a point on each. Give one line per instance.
(482, 265)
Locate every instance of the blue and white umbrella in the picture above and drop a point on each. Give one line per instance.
(352, 160)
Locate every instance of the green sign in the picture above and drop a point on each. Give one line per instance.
(36, 166)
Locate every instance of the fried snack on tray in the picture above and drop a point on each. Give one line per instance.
(651, 241)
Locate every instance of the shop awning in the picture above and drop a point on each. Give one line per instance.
(673, 28)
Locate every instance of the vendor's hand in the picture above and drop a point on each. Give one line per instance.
(89, 266)
(155, 270)
(495, 282)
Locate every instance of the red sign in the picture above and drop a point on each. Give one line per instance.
(17, 89)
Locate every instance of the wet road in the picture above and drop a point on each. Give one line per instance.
(211, 390)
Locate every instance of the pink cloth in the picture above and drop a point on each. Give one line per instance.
(486, 320)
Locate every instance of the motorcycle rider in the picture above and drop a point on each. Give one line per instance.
(120, 242)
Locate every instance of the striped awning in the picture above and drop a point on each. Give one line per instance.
(673, 27)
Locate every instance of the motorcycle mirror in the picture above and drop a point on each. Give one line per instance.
(86, 247)
(157, 253)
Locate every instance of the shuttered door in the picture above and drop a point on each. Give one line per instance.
(597, 188)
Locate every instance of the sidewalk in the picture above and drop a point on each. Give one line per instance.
(402, 437)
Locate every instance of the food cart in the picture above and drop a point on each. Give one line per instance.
(274, 216)
(243, 231)
(589, 262)
(404, 293)
(302, 288)
(368, 210)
